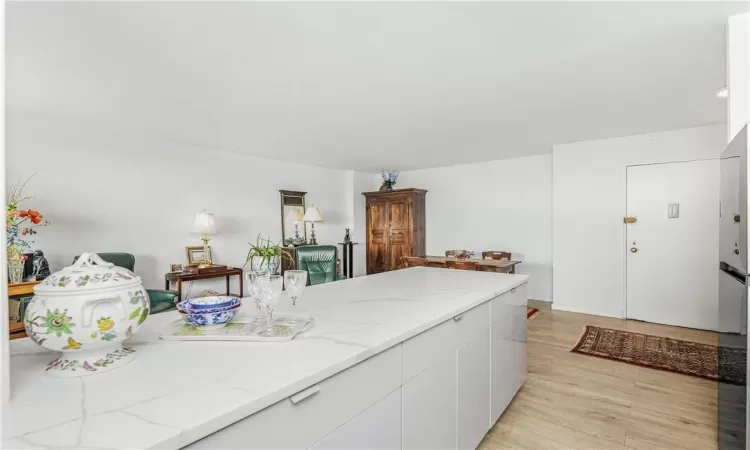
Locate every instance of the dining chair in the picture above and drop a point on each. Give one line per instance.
(462, 265)
(413, 261)
(438, 264)
(496, 254)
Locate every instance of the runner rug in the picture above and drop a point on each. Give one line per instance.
(711, 362)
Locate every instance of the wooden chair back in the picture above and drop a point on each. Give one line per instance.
(496, 254)
(438, 264)
(462, 265)
(413, 261)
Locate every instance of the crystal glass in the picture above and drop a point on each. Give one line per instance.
(294, 283)
(256, 280)
(271, 288)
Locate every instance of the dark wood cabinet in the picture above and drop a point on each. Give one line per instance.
(395, 227)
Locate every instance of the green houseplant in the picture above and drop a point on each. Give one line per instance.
(266, 255)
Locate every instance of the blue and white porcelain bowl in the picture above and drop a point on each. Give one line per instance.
(206, 311)
(218, 302)
(210, 320)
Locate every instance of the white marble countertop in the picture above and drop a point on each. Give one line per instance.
(175, 393)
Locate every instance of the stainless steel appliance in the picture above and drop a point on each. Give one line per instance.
(733, 287)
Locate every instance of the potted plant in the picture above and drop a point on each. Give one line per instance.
(266, 255)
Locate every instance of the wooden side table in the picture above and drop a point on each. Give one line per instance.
(180, 277)
(20, 290)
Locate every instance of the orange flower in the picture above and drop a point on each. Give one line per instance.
(35, 216)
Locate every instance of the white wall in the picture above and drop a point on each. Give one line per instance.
(497, 205)
(105, 190)
(589, 204)
(738, 73)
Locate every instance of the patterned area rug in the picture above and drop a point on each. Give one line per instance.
(673, 355)
(531, 313)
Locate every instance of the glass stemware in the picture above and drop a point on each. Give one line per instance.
(271, 288)
(256, 280)
(294, 283)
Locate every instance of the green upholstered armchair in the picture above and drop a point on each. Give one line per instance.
(320, 263)
(161, 300)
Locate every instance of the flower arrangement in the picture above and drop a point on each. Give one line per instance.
(20, 222)
(389, 179)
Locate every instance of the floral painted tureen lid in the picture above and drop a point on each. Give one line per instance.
(88, 273)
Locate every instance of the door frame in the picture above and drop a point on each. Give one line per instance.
(625, 230)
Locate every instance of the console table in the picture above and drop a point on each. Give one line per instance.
(180, 277)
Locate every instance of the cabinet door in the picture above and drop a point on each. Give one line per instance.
(501, 357)
(400, 233)
(377, 238)
(377, 427)
(429, 407)
(508, 360)
(519, 348)
(473, 391)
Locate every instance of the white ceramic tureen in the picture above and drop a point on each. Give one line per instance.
(85, 311)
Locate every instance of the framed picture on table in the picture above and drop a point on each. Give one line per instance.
(196, 255)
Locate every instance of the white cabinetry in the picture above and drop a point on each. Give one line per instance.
(473, 391)
(441, 389)
(376, 428)
(307, 416)
(429, 407)
(508, 360)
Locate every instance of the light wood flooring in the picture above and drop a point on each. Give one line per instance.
(573, 401)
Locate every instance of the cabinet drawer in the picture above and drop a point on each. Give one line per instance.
(306, 417)
(508, 301)
(424, 349)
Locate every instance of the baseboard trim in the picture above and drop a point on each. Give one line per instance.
(575, 309)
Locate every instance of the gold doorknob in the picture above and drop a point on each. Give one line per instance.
(633, 250)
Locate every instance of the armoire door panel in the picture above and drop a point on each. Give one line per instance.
(400, 227)
(377, 240)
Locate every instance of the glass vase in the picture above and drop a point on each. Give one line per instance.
(15, 271)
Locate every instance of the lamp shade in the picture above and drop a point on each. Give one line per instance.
(205, 223)
(313, 215)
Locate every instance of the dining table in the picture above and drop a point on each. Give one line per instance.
(500, 265)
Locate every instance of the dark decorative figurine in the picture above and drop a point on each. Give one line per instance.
(347, 238)
(40, 266)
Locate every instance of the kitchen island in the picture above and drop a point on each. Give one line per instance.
(414, 358)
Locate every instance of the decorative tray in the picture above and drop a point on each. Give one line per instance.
(241, 328)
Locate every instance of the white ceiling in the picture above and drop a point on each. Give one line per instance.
(370, 85)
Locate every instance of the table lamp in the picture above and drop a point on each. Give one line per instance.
(205, 223)
(312, 215)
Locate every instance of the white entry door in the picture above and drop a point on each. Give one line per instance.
(673, 248)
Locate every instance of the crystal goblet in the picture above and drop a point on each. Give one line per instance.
(271, 288)
(256, 280)
(294, 283)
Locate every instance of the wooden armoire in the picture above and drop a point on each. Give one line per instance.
(395, 227)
